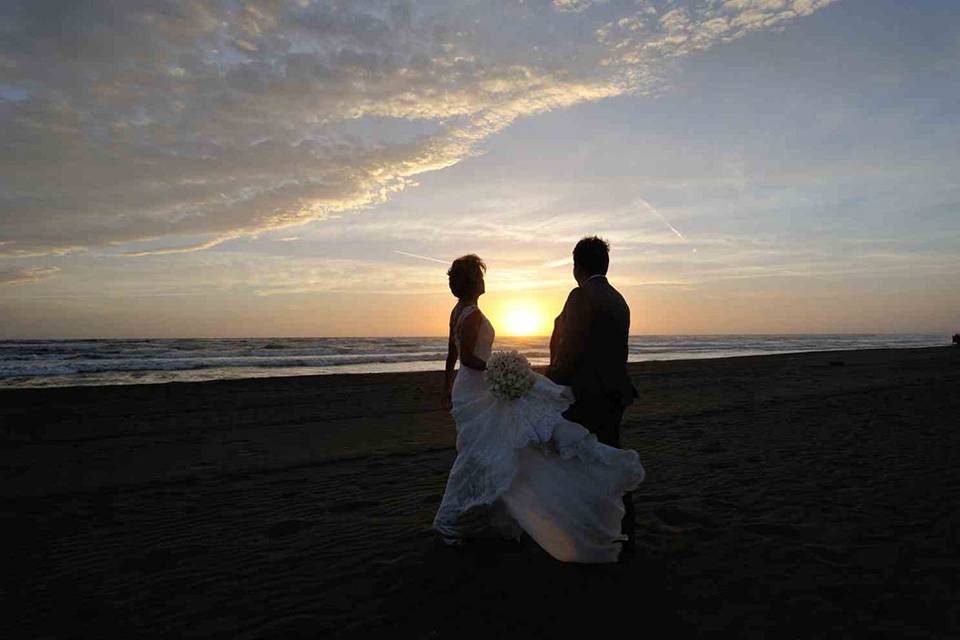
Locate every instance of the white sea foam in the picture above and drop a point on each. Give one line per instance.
(38, 363)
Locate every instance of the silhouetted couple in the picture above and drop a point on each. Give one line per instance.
(547, 463)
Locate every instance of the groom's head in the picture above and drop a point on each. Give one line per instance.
(591, 257)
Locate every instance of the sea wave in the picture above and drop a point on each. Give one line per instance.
(31, 363)
(97, 365)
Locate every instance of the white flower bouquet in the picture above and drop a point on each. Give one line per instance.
(509, 375)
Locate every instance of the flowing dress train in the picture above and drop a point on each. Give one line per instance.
(521, 465)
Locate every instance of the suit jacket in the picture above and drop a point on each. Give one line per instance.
(588, 348)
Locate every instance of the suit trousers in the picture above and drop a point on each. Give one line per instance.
(602, 416)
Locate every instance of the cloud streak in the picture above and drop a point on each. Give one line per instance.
(211, 120)
(22, 275)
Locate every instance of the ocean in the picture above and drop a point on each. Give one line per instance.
(59, 363)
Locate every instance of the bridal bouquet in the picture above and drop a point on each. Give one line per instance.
(508, 374)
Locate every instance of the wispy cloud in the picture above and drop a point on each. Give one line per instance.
(218, 119)
(575, 6)
(22, 275)
(190, 248)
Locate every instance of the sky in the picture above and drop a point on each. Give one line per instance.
(297, 168)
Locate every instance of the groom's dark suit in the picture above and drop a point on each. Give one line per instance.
(588, 352)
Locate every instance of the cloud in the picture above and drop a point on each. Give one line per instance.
(206, 120)
(23, 275)
(575, 5)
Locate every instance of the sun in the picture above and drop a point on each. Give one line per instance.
(523, 320)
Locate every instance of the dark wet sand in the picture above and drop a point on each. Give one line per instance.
(787, 497)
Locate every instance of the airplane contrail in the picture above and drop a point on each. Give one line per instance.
(413, 255)
(653, 210)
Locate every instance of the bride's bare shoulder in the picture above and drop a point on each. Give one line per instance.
(454, 314)
(472, 319)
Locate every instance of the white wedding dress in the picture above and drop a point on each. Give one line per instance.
(521, 464)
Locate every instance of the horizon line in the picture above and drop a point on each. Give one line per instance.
(946, 333)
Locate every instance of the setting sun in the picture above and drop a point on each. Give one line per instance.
(523, 319)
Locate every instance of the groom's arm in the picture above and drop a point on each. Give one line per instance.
(569, 351)
(555, 337)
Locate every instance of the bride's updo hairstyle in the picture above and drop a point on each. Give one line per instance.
(465, 274)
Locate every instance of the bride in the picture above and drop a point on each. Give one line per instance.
(520, 465)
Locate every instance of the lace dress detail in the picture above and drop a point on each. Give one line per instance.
(521, 465)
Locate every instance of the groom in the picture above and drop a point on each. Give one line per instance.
(588, 352)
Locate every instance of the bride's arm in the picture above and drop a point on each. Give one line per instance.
(450, 373)
(468, 340)
(569, 349)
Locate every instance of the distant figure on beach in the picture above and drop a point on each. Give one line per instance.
(521, 464)
(956, 339)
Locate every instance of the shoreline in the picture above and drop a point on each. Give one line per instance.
(537, 367)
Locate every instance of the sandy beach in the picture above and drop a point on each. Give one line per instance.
(803, 496)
